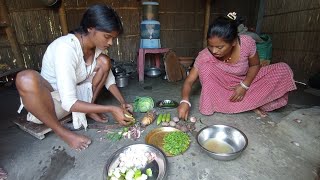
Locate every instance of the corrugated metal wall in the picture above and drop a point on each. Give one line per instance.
(295, 30)
(181, 25)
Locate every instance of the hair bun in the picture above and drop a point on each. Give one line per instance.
(232, 15)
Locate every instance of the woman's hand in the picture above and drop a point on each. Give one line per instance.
(238, 94)
(118, 114)
(183, 111)
(127, 107)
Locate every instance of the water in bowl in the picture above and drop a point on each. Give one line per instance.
(216, 146)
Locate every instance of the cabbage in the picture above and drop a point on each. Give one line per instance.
(143, 104)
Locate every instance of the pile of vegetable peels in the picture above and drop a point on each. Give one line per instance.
(133, 132)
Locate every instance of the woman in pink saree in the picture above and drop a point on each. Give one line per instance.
(231, 77)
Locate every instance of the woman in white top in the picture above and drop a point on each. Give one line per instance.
(71, 65)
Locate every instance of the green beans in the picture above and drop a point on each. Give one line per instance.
(176, 142)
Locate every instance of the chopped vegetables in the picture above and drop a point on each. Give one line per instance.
(176, 142)
(127, 174)
(149, 172)
(130, 164)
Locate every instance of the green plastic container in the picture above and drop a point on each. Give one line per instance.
(265, 48)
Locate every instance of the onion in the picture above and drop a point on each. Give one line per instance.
(165, 124)
(191, 127)
(193, 119)
(184, 129)
(175, 119)
(172, 123)
(178, 126)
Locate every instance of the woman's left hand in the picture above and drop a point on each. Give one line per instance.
(238, 94)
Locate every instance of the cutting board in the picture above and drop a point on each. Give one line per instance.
(174, 70)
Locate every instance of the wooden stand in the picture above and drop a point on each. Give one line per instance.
(37, 130)
(141, 59)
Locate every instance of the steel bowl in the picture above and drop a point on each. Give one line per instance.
(222, 142)
(158, 165)
(153, 72)
(167, 104)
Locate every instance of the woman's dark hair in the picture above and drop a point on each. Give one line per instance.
(224, 27)
(101, 17)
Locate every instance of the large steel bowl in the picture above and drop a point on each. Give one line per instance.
(158, 165)
(153, 72)
(231, 140)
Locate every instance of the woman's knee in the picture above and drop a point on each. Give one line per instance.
(104, 63)
(26, 79)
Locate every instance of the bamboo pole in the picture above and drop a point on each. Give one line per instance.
(260, 16)
(11, 34)
(63, 18)
(206, 22)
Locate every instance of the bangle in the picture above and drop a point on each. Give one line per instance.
(243, 85)
(185, 101)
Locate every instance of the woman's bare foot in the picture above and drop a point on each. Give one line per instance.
(260, 112)
(98, 117)
(75, 141)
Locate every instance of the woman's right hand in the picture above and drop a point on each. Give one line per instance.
(183, 111)
(118, 114)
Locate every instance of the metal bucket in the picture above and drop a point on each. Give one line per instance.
(122, 80)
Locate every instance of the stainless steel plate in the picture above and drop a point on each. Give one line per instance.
(167, 104)
(158, 165)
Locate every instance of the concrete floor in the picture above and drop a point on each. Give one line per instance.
(272, 152)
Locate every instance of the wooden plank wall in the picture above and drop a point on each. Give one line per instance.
(181, 25)
(295, 30)
(125, 46)
(35, 26)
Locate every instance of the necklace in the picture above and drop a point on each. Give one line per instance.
(227, 60)
(82, 47)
